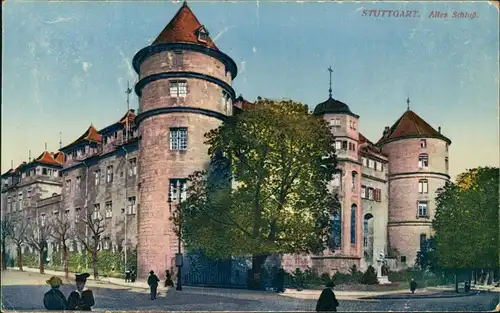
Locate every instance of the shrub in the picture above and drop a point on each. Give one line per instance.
(31, 259)
(369, 277)
(325, 278)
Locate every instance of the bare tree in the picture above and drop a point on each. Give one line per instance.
(17, 235)
(37, 234)
(62, 232)
(90, 236)
(6, 229)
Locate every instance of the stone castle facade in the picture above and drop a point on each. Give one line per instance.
(133, 173)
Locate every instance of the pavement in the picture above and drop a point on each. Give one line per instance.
(24, 291)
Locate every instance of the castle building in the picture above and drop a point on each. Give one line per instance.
(133, 173)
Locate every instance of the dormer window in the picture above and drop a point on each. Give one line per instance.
(202, 34)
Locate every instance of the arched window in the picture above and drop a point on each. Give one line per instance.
(423, 160)
(366, 230)
(353, 223)
(354, 180)
(336, 238)
(423, 241)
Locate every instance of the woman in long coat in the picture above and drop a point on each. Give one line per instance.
(82, 299)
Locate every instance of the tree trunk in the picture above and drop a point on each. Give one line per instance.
(456, 282)
(4, 256)
(41, 261)
(94, 265)
(470, 277)
(65, 261)
(257, 263)
(20, 258)
(475, 276)
(490, 277)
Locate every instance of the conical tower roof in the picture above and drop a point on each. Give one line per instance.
(185, 28)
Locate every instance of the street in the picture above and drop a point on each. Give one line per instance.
(24, 291)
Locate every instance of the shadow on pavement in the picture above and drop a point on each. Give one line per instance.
(24, 297)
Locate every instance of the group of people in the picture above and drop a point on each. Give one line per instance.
(81, 299)
(130, 275)
(153, 281)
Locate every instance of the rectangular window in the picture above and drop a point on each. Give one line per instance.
(371, 164)
(132, 167)
(78, 214)
(338, 145)
(178, 89)
(9, 204)
(131, 208)
(370, 193)
(365, 233)
(423, 186)
(379, 166)
(403, 259)
(226, 101)
(109, 174)
(68, 185)
(177, 190)
(109, 209)
(422, 209)
(20, 200)
(446, 163)
(96, 214)
(335, 122)
(178, 138)
(344, 144)
(363, 192)
(336, 180)
(43, 219)
(423, 143)
(423, 240)
(364, 161)
(66, 212)
(78, 183)
(97, 177)
(44, 171)
(423, 161)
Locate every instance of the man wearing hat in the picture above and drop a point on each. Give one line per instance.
(54, 299)
(153, 284)
(81, 299)
(327, 300)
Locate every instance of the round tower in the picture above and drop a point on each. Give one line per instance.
(184, 91)
(418, 167)
(348, 226)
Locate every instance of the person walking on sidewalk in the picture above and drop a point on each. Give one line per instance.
(413, 285)
(327, 300)
(168, 279)
(153, 284)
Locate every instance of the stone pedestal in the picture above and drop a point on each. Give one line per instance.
(383, 280)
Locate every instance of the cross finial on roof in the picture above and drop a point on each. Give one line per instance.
(45, 147)
(12, 164)
(330, 90)
(408, 103)
(60, 140)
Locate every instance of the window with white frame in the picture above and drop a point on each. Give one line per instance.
(131, 208)
(68, 185)
(378, 166)
(370, 193)
(371, 164)
(335, 122)
(9, 204)
(78, 214)
(97, 177)
(78, 183)
(202, 34)
(132, 167)
(423, 143)
(96, 214)
(43, 218)
(422, 208)
(109, 173)
(177, 190)
(338, 145)
(106, 243)
(363, 192)
(109, 209)
(336, 180)
(178, 138)
(364, 161)
(28, 196)
(44, 171)
(14, 205)
(423, 160)
(423, 186)
(354, 180)
(178, 88)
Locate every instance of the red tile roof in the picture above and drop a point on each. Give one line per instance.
(60, 157)
(411, 125)
(368, 147)
(131, 117)
(183, 28)
(243, 104)
(363, 139)
(46, 158)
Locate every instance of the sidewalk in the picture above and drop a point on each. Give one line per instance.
(491, 288)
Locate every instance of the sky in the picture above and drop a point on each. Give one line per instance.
(66, 65)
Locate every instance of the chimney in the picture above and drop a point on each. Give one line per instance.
(439, 129)
(132, 110)
(386, 130)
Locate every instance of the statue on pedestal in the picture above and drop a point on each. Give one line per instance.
(382, 269)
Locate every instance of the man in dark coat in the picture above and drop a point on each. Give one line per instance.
(54, 299)
(168, 279)
(81, 299)
(413, 286)
(153, 284)
(327, 300)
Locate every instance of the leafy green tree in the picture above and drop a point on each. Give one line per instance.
(267, 187)
(466, 222)
(369, 277)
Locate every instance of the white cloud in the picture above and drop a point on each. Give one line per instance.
(59, 20)
(243, 66)
(86, 66)
(254, 49)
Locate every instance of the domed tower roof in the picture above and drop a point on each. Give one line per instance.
(185, 28)
(410, 125)
(332, 106)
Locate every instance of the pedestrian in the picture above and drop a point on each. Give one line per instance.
(168, 279)
(467, 287)
(153, 284)
(82, 299)
(133, 275)
(280, 280)
(127, 275)
(54, 299)
(413, 285)
(327, 300)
